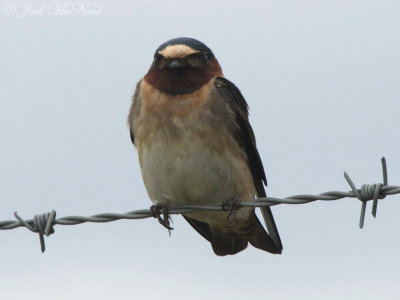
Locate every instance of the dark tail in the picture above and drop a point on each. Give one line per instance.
(260, 239)
(271, 226)
(236, 240)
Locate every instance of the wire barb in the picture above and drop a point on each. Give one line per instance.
(43, 224)
(369, 192)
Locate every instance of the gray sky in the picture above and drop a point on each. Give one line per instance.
(322, 82)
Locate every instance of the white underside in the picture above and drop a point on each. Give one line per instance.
(186, 174)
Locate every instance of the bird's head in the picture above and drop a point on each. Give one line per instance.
(182, 66)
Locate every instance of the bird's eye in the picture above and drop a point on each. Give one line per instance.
(157, 59)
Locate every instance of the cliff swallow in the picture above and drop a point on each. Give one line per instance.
(196, 146)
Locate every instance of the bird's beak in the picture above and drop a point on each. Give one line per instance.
(176, 65)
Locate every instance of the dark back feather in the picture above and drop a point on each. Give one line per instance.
(245, 138)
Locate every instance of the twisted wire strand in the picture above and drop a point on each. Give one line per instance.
(43, 224)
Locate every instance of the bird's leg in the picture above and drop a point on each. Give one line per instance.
(234, 204)
(156, 210)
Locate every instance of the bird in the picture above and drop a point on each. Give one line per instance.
(195, 146)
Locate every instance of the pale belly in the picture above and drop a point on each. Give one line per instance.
(187, 173)
(190, 174)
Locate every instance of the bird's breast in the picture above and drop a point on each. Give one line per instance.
(186, 151)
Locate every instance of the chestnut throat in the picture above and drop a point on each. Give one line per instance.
(182, 81)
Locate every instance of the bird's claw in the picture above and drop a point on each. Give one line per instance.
(234, 204)
(156, 211)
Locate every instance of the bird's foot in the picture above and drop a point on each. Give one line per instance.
(156, 211)
(234, 204)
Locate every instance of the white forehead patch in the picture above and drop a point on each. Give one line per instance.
(177, 51)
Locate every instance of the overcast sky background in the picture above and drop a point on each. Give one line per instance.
(322, 79)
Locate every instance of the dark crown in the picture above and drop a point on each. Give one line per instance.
(192, 43)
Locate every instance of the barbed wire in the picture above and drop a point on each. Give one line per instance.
(43, 223)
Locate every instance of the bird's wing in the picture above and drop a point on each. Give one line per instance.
(132, 136)
(134, 110)
(245, 138)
